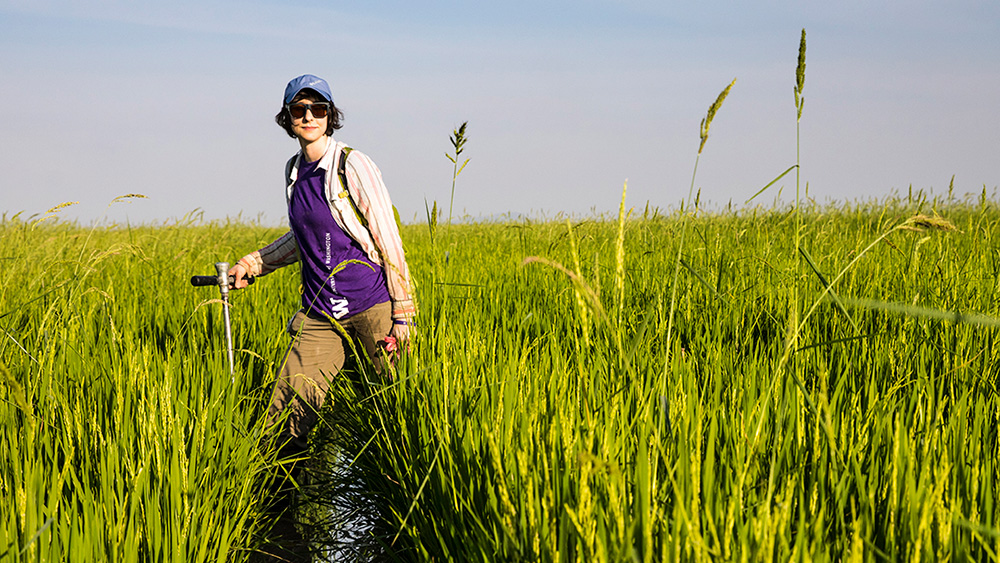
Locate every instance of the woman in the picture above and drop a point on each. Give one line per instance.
(354, 274)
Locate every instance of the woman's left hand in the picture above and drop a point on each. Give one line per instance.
(396, 342)
(401, 333)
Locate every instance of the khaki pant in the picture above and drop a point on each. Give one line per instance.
(316, 356)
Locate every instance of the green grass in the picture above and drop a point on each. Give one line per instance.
(521, 429)
(120, 440)
(818, 383)
(876, 440)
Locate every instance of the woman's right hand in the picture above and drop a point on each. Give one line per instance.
(239, 273)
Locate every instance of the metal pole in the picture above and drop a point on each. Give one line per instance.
(222, 269)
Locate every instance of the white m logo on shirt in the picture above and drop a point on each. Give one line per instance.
(338, 307)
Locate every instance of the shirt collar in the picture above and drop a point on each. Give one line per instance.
(326, 161)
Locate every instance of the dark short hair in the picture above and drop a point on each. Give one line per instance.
(334, 118)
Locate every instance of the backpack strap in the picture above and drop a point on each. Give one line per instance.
(342, 173)
(288, 169)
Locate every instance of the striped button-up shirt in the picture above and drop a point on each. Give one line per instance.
(380, 240)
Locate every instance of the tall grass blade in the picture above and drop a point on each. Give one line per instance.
(826, 286)
(705, 125)
(772, 182)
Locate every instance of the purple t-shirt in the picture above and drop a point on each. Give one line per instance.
(323, 245)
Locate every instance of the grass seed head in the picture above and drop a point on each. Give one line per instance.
(712, 109)
(922, 222)
(62, 206)
(127, 197)
(800, 70)
(800, 75)
(51, 213)
(458, 139)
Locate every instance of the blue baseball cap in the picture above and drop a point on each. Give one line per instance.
(311, 82)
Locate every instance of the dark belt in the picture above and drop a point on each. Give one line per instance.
(316, 315)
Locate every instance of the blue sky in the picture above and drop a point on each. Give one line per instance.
(565, 101)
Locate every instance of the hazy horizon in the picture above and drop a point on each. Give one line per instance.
(565, 101)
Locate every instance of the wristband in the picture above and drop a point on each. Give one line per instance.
(400, 322)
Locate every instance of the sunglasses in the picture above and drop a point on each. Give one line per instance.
(298, 111)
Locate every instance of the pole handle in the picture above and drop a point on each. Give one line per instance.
(198, 281)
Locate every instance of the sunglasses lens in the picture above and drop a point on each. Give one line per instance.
(298, 111)
(318, 110)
